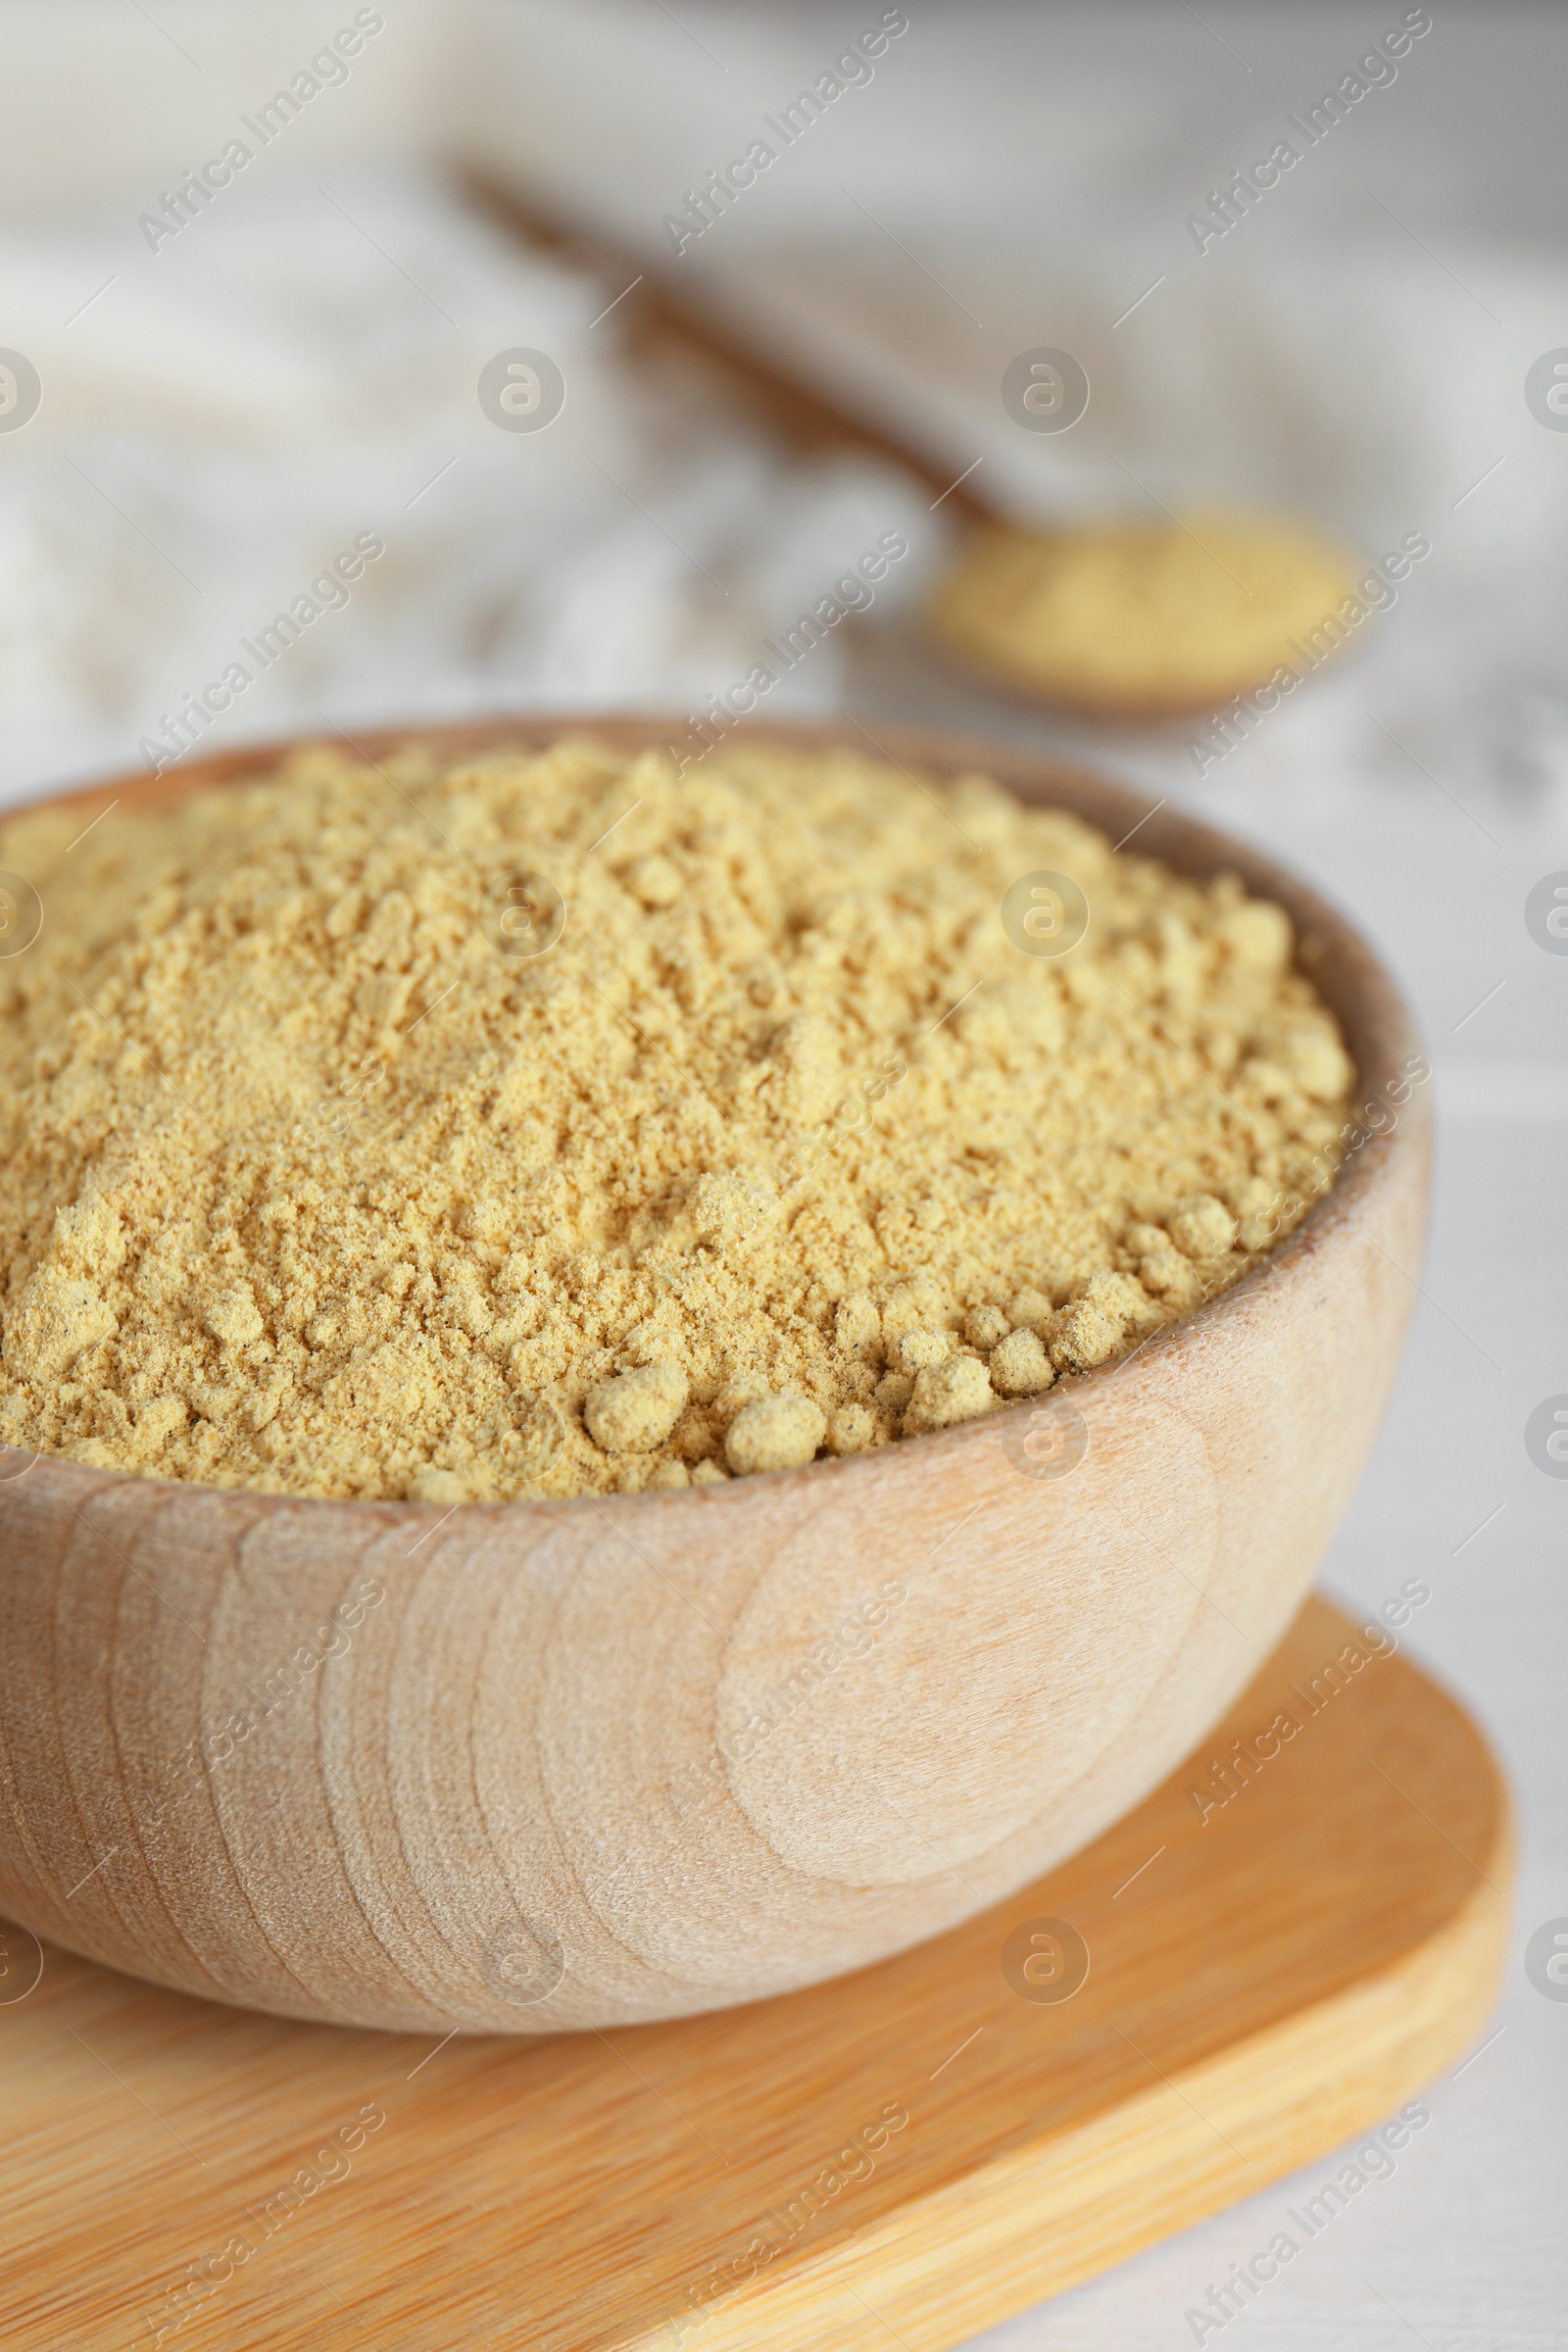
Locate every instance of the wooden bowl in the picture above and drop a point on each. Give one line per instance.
(527, 1767)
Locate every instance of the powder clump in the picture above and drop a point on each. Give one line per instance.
(776, 1432)
(762, 1135)
(635, 1412)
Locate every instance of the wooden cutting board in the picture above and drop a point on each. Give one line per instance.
(910, 2153)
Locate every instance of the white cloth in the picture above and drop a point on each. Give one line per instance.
(297, 369)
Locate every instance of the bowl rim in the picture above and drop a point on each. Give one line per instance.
(1342, 964)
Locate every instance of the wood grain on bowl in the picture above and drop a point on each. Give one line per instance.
(534, 1766)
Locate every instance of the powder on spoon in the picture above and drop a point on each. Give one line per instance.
(544, 1124)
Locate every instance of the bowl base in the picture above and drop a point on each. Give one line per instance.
(1222, 1987)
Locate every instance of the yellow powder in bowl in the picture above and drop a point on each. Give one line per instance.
(548, 1125)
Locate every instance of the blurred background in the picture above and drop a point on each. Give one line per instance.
(211, 386)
